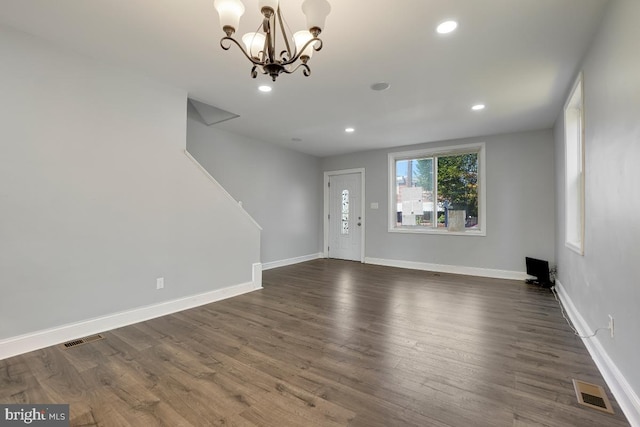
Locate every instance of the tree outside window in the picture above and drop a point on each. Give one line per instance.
(456, 187)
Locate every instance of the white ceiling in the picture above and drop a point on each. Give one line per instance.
(516, 56)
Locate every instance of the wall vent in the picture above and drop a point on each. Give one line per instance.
(80, 341)
(592, 395)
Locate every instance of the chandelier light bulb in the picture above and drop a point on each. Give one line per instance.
(301, 38)
(316, 12)
(230, 12)
(254, 42)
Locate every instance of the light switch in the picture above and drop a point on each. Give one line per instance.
(374, 205)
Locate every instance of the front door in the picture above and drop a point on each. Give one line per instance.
(345, 216)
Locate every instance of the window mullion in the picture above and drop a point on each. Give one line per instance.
(395, 191)
(435, 192)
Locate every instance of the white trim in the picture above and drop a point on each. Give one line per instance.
(442, 231)
(574, 247)
(623, 392)
(479, 147)
(290, 261)
(363, 212)
(446, 268)
(256, 275)
(14, 346)
(221, 188)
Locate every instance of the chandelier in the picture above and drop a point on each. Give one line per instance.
(260, 47)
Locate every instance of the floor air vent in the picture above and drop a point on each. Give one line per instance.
(80, 341)
(592, 395)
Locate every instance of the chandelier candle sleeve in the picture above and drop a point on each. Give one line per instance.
(260, 47)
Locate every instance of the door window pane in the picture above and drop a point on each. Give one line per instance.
(345, 212)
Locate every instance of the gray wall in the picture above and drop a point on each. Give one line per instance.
(279, 187)
(97, 198)
(606, 280)
(520, 206)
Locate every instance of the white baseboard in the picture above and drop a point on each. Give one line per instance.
(454, 269)
(290, 261)
(623, 392)
(40, 339)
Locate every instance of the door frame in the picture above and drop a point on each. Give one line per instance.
(327, 175)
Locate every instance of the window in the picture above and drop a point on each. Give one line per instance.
(574, 169)
(438, 191)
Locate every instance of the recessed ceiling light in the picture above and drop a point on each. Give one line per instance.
(264, 88)
(478, 107)
(380, 86)
(349, 130)
(447, 27)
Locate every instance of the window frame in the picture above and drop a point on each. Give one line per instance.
(574, 158)
(479, 148)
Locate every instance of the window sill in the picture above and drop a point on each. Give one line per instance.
(442, 232)
(575, 248)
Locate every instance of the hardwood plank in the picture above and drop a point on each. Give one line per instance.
(330, 343)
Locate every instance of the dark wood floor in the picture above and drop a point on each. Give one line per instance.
(329, 343)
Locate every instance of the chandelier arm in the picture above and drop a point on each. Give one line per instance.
(305, 70)
(302, 49)
(265, 49)
(318, 47)
(284, 35)
(231, 39)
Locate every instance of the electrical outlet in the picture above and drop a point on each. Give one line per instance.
(611, 325)
(160, 283)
